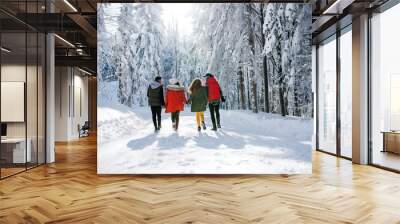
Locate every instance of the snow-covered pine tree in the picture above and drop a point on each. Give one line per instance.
(146, 49)
(260, 53)
(106, 67)
(274, 28)
(125, 69)
(138, 51)
(301, 95)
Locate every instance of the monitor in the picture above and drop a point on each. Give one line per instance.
(3, 129)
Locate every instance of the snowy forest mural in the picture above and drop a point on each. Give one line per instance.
(260, 53)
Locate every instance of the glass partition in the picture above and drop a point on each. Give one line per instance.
(31, 99)
(346, 93)
(385, 89)
(22, 77)
(327, 95)
(14, 153)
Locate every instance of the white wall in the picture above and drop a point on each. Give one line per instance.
(10, 73)
(33, 126)
(71, 87)
(81, 84)
(62, 81)
(17, 73)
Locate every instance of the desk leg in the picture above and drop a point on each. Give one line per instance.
(384, 142)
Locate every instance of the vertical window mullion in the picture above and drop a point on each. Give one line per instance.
(26, 86)
(317, 97)
(369, 78)
(37, 89)
(0, 92)
(338, 82)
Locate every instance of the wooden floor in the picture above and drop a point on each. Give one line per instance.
(5, 172)
(387, 159)
(70, 191)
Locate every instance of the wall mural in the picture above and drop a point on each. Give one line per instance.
(218, 88)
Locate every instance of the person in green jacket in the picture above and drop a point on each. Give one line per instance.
(198, 99)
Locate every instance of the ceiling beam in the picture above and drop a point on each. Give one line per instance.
(338, 6)
(320, 22)
(81, 61)
(86, 26)
(199, 1)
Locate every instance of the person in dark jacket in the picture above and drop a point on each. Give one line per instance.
(155, 94)
(215, 97)
(198, 99)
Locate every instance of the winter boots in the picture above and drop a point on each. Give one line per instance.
(216, 126)
(175, 124)
(199, 128)
(157, 128)
(204, 125)
(175, 120)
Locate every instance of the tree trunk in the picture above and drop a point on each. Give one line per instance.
(282, 100)
(285, 99)
(266, 85)
(264, 66)
(282, 91)
(296, 99)
(281, 79)
(255, 100)
(248, 90)
(236, 94)
(176, 51)
(261, 97)
(241, 89)
(252, 58)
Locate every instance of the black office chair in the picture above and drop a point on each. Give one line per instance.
(84, 130)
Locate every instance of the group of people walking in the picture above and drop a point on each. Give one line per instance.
(201, 92)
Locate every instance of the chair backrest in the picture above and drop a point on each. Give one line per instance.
(86, 125)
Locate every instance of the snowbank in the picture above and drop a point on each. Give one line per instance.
(248, 143)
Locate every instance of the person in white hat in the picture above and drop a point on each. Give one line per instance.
(175, 101)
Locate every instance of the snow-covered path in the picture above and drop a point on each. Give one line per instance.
(248, 143)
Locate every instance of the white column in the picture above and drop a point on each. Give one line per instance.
(314, 90)
(360, 90)
(50, 99)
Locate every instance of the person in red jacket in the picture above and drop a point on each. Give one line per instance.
(175, 101)
(214, 99)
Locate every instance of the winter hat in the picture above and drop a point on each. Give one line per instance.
(173, 81)
(157, 79)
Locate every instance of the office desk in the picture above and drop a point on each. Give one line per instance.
(391, 141)
(13, 150)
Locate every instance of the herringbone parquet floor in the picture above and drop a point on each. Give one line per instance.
(70, 191)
